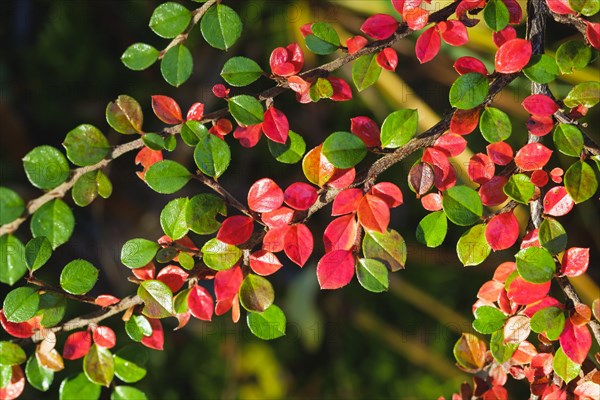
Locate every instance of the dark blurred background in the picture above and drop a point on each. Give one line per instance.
(60, 67)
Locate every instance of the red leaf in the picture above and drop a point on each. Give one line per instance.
(222, 127)
(546, 302)
(464, 122)
(300, 196)
(560, 6)
(388, 59)
(374, 213)
(490, 291)
(514, 10)
(453, 32)
(274, 238)
(105, 337)
(539, 178)
(298, 244)
(503, 36)
(146, 157)
(506, 305)
(524, 353)
(446, 182)
(415, 18)
(500, 153)
(592, 32)
(276, 126)
(464, 65)
(556, 174)
(404, 5)
(342, 178)
(15, 386)
(335, 269)
(522, 292)
(504, 270)
(438, 159)
(432, 202)
(558, 202)
(366, 129)
(196, 112)
(172, 276)
(277, 218)
(220, 91)
(264, 196)
(236, 230)
(575, 341)
(451, 143)
(532, 156)
(531, 239)
(347, 201)
(496, 393)
(389, 193)
(264, 263)
(502, 231)
(341, 89)
(355, 43)
(21, 330)
(340, 234)
(248, 135)
(513, 56)
(380, 26)
(167, 110)
(492, 193)
(287, 61)
(146, 272)
(575, 261)
(539, 126)
(201, 303)
(156, 340)
(301, 87)
(540, 104)
(306, 29)
(105, 300)
(182, 319)
(481, 168)
(77, 345)
(227, 283)
(428, 45)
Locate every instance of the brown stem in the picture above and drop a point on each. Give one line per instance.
(49, 288)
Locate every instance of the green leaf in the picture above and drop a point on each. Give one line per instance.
(432, 229)
(488, 319)
(568, 139)
(462, 205)
(201, 212)
(167, 176)
(256, 293)
(86, 145)
(125, 115)
(541, 68)
(573, 55)
(79, 387)
(46, 167)
(344, 150)
(321, 89)
(221, 27)
(99, 366)
(495, 125)
(267, 325)
(585, 7)
(586, 94)
(180, 301)
(21, 304)
(398, 128)
(472, 247)
(157, 297)
(55, 221)
(323, 40)
(186, 261)
(89, 186)
(154, 141)
(552, 236)
(52, 309)
(37, 253)
(291, 152)
(389, 248)
(136, 253)
(5, 375)
(38, 376)
(469, 91)
(127, 393)
(212, 155)
(241, 71)
(12, 259)
(246, 110)
(496, 15)
(372, 275)
(500, 351)
(365, 71)
(192, 131)
(172, 218)
(11, 354)
(549, 321)
(177, 64)
(11, 205)
(136, 327)
(78, 277)
(562, 365)
(130, 363)
(535, 264)
(139, 56)
(519, 188)
(169, 20)
(220, 256)
(580, 181)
